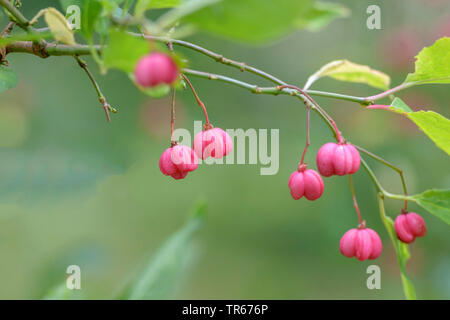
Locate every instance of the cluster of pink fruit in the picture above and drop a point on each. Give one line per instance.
(177, 161)
(343, 159)
(332, 159)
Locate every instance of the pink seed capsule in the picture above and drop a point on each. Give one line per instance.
(337, 159)
(154, 69)
(214, 143)
(363, 243)
(408, 226)
(178, 161)
(305, 182)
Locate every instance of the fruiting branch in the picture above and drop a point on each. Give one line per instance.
(52, 49)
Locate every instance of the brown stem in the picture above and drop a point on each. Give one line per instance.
(101, 97)
(200, 103)
(8, 29)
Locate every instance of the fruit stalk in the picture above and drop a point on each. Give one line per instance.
(308, 142)
(200, 102)
(355, 203)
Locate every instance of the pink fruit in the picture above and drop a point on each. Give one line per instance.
(214, 143)
(408, 226)
(363, 243)
(337, 159)
(154, 69)
(178, 161)
(305, 182)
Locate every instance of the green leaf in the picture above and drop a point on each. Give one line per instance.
(166, 267)
(111, 6)
(8, 78)
(156, 92)
(321, 15)
(59, 26)
(188, 7)
(437, 202)
(432, 64)
(144, 5)
(124, 50)
(257, 21)
(401, 250)
(435, 126)
(399, 106)
(67, 3)
(345, 70)
(90, 16)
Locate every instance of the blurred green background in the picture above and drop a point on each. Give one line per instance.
(77, 190)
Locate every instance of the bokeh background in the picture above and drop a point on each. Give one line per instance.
(77, 190)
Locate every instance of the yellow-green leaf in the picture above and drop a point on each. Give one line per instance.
(432, 64)
(401, 249)
(257, 21)
(435, 126)
(345, 70)
(321, 14)
(143, 5)
(437, 202)
(59, 26)
(399, 106)
(124, 50)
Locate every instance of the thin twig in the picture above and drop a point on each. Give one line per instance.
(106, 106)
(389, 92)
(8, 29)
(390, 165)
